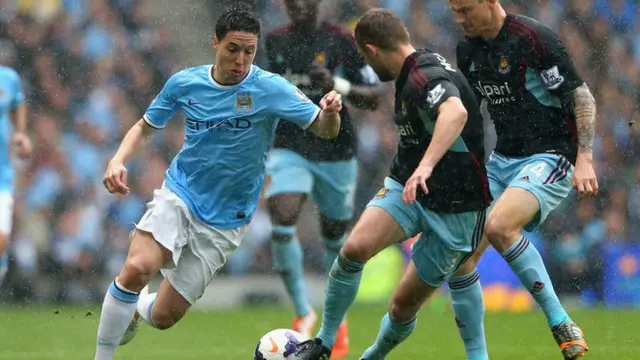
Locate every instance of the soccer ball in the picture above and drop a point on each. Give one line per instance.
(278, 344)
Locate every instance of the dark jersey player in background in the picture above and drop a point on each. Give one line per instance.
(544, 116)
(315, 56)
(437, 187)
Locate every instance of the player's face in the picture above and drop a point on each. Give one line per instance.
(235, 54)
(474, 16)
(302, 11)
(374, 58)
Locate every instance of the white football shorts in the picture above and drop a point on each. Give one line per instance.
(198, 250)
(6, 213)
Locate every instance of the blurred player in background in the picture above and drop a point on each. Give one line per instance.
(202, 211)
(317, 57)
(13, 138)
(437, 187)
(544, 116)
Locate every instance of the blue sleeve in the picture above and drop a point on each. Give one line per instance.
(18, 93)
(165, 105)
(288, 103)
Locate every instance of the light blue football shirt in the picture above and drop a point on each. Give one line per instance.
(11, 96)
(229, 129)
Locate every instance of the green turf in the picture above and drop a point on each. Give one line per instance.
(40, 333)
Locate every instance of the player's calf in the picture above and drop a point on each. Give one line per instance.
(334, 234)
(164, 308)
(4, 257)
(468, 306)
(4, 240)
(118, 322)
(404, 306)
(512, 211)
(398, 324)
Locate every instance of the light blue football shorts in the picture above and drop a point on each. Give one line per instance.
(547, 176)
(447, 239)
(331, 184)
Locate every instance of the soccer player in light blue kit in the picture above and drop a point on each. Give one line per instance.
(211, 189)
(13, 118)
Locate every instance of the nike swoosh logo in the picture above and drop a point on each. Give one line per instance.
(191, 102)
(274, 346)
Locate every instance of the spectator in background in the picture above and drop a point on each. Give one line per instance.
(90, 68)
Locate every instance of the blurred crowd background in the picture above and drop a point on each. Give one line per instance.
(90, 68)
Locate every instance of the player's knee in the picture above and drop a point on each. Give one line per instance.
(403, 308)
(356, 250)
(285, 209)
(136, 273)
(3, 243)
(500, 233)
(284, 218)
(163, 319)
(334, 230)
(469, 266)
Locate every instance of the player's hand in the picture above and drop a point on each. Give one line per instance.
(419, 178)
(321, 77)
(115, 178)
(584, 176)
(331, 103)
(22, 145)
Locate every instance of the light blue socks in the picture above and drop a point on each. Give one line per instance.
(527, 264)
(287, 261)
(342, 287)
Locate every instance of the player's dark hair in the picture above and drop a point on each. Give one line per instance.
(238, 18)
(381, 28)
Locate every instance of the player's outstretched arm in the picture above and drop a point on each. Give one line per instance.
(585, 105)
(133, 140)
(452, 116)
(584, 176)
(115, 178)
(366, 97)
(327, 124)
(560, 76)
(20, 141)
(362, 96)
(19, 118)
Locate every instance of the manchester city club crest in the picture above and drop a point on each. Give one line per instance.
(244, 102)
(504, 65)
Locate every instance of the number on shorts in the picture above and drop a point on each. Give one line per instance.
(536, 169)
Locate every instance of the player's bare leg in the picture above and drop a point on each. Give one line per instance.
(145, 258)
(334, 233)
(512, 211)
(375, 231)
(400, 321)
(288, 258)
(4, 258)
(163, 309)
